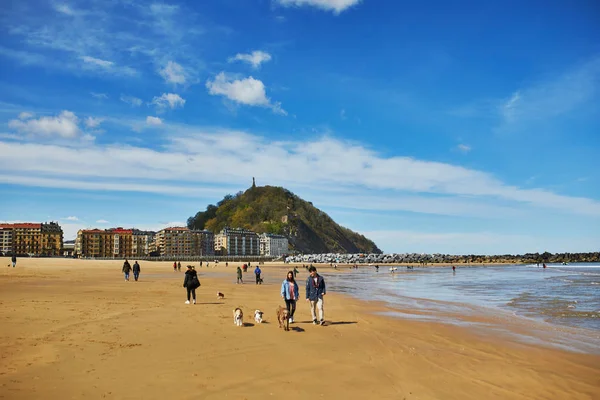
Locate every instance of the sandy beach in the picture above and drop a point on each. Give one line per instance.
(75, 329)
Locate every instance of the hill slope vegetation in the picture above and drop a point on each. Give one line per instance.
(270, 209)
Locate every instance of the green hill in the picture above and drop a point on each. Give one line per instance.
(273, 209)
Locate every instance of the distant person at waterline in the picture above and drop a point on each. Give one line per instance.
(14, 260)
(136, 271)
(126, 269)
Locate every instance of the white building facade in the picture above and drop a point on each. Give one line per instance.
(273, 245)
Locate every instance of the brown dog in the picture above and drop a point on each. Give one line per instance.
(283, 317)
(220, 295)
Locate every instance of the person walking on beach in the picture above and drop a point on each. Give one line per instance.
(257, 272)
(295, 272)
(136, 271)
(126, 269)
(179, 266)
(239, 275)
(315, 290)
(14, 260)
(174, 266)
(191, 283)
(289, 293)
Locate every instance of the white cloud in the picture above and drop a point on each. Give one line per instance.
(552, 97)
(248, 91)
(337, 6)
(64, 9)
(189, 153)
(154, 121)
(25, 115)
(64, 125)
(101, 96)
(102, 221)
(464, 148)
(510, 108)
(98, 62)
(168, 100)
(255, 58)
(92, 122)
(133, 101)
(72, 218)
(464, 242)
(173, 73)
(101, 39)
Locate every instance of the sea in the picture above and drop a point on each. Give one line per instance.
(557, 306)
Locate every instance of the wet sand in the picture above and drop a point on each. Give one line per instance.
(75, 329)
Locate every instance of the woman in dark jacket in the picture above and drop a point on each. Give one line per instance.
(191, 283)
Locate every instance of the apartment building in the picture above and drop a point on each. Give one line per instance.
(31, 238)
(6, 238)
(142, 243)
(237, 242)
(181, 241)
(273, 245)
(113, 242)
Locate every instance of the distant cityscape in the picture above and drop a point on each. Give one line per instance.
(46, 239)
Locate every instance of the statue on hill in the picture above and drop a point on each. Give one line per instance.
(253, 183)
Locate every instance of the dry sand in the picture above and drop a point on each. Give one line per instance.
(74, 329)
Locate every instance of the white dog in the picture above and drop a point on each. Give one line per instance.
(238, 317)
(258, 316)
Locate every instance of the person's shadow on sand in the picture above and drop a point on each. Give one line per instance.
(341, 323)
(296, 329)
(248, 324)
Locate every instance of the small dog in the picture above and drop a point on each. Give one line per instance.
(283, 317)
(238, 317)
(220, 295)
(258, 316)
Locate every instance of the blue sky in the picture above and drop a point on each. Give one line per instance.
(471, 127)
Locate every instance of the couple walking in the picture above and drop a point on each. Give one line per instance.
(127, 269)
(315, 290)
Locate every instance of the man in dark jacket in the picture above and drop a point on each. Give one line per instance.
(126, 269)
(257, 272)
(14, 260)
(136, 271)
(315, 290)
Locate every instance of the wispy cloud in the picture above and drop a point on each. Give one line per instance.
(72, 218)
(554, 96)
(103, 39)
(168, 100)
(248, 91)
(464, 242)
(25, 115)
(92, 122)
(97, 62)
(102, 221)
(173, 73)
(133, 101)
(336, 6)
(463, 148)
(189, 152)
(153, 121)
(100, 96)
(256, 58)
(65, 125)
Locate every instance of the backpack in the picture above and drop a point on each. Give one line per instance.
(194, 283)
